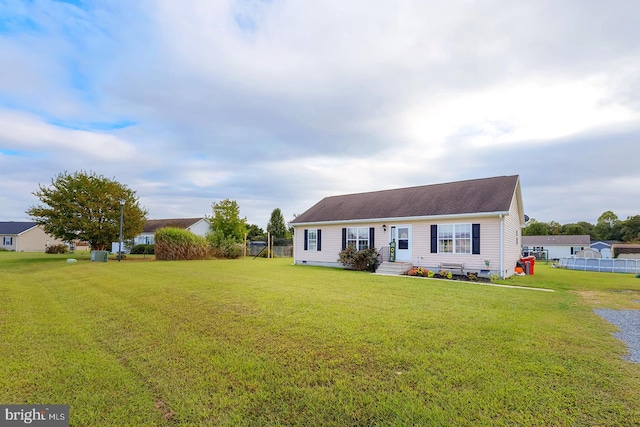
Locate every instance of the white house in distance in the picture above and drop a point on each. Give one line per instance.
(556, 246)
(469, 223)
(198, 226)
(25, 237)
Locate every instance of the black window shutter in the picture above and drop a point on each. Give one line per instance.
(434, 239)
(306, 239)
(572, 250)
(344, 238)
(372, 235)
(475, 239)
(319, 240)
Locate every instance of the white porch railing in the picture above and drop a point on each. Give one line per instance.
(602, 264)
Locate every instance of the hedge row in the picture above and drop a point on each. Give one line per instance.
(143, 249)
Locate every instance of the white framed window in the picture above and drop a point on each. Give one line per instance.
(454, 239)
(312, 240)
(7, 241)
(358, 237)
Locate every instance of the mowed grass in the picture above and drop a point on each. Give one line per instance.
(263, 342)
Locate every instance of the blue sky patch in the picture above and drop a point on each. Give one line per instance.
(245, 22)
(91, 126)
(7, 152)
(17, 24)
(79, 3)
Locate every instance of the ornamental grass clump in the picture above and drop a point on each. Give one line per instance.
(177, 244)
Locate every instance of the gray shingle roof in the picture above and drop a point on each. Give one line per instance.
(578, 240)
(487, 195)
(154, 224)
(9, 228)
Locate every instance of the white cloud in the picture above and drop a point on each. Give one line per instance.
(27, 133)
(280, 103)
(515, 112)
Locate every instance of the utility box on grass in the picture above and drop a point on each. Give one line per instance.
(99, 256)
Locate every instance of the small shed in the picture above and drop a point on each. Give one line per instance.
(625, 250)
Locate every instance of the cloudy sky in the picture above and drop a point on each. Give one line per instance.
(278, 103)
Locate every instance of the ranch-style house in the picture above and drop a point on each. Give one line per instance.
(472, 226)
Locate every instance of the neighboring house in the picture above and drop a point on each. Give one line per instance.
(465, 222)
(25, 237)
(198, 226)
(556, 246)
(81, 246)
(603, 246)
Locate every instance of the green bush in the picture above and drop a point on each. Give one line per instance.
(364, 260)
(178, 244)
(56, 249)
(445, 274)
(143, 249)
(226, 248)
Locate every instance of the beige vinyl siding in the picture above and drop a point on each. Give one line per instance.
(420, 243)
(12, 246)
(512, 238)
(35, 240)
(489, 245)
(331, 242)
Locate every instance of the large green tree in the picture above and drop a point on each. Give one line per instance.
(226, 223)
(588, 228)
(574, 230)
(535, 228)
(255, 233)
(630, 229)
(554, 227)
(85, 206)
(608, 226)
(276, 225)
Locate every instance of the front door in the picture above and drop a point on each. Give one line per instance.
(402, 235)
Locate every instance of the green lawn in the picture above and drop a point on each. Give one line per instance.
(263, 342)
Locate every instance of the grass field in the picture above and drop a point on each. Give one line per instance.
(263, 342)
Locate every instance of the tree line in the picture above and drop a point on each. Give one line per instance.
(87, 207)
(608, 227)
(227, 224)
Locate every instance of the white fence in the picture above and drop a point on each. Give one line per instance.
(602, 264)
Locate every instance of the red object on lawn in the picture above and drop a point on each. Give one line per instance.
(529, 264)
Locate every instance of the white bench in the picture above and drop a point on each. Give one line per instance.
(452, 266)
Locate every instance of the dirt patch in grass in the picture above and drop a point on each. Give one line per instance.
(167, 413)
(616, 298)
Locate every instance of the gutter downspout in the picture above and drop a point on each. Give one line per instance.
(501, 246)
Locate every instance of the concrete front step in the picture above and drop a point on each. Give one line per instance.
(393, 268)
